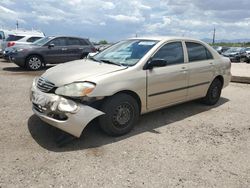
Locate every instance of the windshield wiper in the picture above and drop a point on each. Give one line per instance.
(92, 58)
(110, 62)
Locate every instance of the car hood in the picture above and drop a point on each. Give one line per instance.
(230, 53)
(78, 70)
(23, 46)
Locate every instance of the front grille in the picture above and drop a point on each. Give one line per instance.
(44, 85)
(38, 108)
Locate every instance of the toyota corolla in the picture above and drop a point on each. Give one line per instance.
(130, 78)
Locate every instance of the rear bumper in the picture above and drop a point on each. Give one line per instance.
(227, 78)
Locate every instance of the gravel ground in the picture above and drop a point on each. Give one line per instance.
(189, 145)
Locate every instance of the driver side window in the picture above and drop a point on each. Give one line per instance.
(59, 42)
(171, 52)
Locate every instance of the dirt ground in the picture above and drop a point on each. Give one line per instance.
(189, 145)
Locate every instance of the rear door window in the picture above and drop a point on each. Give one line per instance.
(59, 41)
(73, 42)
(14, 38)
(197, 52)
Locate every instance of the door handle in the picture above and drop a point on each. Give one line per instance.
(183, 69)
(64, 49)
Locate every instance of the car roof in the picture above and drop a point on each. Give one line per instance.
(69, 37)
(165, 38)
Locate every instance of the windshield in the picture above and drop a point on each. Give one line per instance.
(42, 41)
(216, 47)
(234, 50)
(126, 53)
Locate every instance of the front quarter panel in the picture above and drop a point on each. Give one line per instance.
(130, 79)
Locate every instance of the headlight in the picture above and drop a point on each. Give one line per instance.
(34, 81)
(67, 106)
(19, 50)
(76, 89)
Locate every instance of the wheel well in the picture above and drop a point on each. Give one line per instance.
(84, 54)
(132, 94)
(220, 78)
(35, 55)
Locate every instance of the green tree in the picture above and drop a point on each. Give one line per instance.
(103, 42)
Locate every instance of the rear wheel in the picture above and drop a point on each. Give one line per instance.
(213, 93)
(121, 113)
(34, 62)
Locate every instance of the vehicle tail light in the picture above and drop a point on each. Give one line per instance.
(93, 49)
(11, 44)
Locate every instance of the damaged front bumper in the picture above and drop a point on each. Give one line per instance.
(65, 114)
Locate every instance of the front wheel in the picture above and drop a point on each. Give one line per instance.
(121, 113)
(213, 93)
(34, 62)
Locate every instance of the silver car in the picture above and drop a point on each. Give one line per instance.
(130, 78)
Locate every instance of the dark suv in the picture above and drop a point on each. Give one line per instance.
(51, 50)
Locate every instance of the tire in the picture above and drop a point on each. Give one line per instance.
(34, 62)
(84, 55)
(21, 66)
(243, 59)
(121, 113)
(213, 93)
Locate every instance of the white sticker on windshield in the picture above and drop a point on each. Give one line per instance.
(146, 43)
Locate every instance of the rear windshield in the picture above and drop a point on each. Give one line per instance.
(14, 37)
(1, 35)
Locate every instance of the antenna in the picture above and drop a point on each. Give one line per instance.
(214, 36)
(17, 25)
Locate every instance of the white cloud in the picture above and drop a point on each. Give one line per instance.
(115, 20)
(155, 27)
(124, 18)
(108, 5)
(6, 10)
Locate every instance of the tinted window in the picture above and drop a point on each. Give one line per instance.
(14, 38)
(73, 41)
(84, 42)
(1, 35)
(197, 52)
(171, 52)
(59, 42)
(33, 39)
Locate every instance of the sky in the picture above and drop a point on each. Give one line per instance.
(114, 20)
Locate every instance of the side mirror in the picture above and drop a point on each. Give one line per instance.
(155, 63)
(51, 45)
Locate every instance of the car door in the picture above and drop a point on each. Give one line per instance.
(74, 48)
(167, 85)
(55, 51)
(201, 69)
